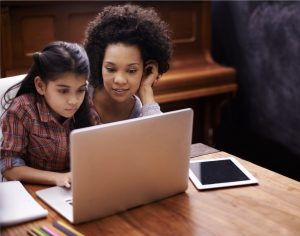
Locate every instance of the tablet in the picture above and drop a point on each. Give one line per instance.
(219, 173)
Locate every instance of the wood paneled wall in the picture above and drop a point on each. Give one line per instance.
(194, 79)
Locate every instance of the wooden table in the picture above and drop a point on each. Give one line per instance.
(270, 208)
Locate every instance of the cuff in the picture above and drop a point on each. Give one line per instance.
(7, 163)
(150, 109)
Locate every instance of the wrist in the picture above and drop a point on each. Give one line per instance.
(146, 95)
(53, 178)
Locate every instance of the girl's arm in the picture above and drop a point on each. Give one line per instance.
(35, 176)
(14, 146)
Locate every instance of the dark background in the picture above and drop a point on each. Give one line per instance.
(261, 40)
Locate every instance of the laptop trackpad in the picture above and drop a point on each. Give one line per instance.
(60, 199)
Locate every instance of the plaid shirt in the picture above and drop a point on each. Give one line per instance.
(31, 133)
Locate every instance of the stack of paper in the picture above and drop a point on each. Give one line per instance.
(17, 205)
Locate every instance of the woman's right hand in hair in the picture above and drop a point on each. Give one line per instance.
(63, 179)
(150, 75)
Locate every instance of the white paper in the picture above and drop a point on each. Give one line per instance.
(17, 205)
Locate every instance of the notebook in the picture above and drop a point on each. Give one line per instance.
(17, 205)
(124, 164)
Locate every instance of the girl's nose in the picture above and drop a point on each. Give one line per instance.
(72, 100)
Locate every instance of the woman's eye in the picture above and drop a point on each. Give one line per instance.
(110, 69)
(132, 71)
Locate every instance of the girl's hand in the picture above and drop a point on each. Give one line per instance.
(63, 179)
(31, 175)
(149, 76)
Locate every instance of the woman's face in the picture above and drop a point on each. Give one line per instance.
(122, 71)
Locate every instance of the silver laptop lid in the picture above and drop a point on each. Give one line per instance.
(124, 164)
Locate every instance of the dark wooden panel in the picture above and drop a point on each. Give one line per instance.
(28, 26)
(77, 24)
(33, 24)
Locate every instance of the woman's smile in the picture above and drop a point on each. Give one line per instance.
(120, 91)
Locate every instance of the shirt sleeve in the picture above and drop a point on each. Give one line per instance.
(151, 109)
(14, 141)
(13, 162)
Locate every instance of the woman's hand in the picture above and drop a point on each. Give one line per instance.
(149, 76)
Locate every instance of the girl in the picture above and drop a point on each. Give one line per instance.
(51, 101)
(129, 48)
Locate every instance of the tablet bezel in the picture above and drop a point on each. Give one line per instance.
(200, 186)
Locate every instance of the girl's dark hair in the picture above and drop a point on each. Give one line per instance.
(54, 60)
(132, 25)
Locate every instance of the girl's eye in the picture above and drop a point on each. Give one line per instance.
(63, 91)
(82, 90)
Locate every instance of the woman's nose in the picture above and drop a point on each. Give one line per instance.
(120, 79)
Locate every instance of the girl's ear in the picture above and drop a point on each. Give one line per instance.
(40, 86)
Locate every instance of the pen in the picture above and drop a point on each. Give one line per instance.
(66, 229)
(38, 232)
(32, 233)
(49, 229)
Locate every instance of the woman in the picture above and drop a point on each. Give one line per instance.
(129, 47)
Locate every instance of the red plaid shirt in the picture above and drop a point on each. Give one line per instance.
(32, 133)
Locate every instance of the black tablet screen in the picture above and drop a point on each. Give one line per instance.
(214, 172)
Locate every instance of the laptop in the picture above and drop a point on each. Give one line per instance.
(125, 164)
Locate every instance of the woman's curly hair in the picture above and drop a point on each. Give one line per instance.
(132, 25)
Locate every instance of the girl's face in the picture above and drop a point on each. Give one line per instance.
(63, 95)
(122, 71)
